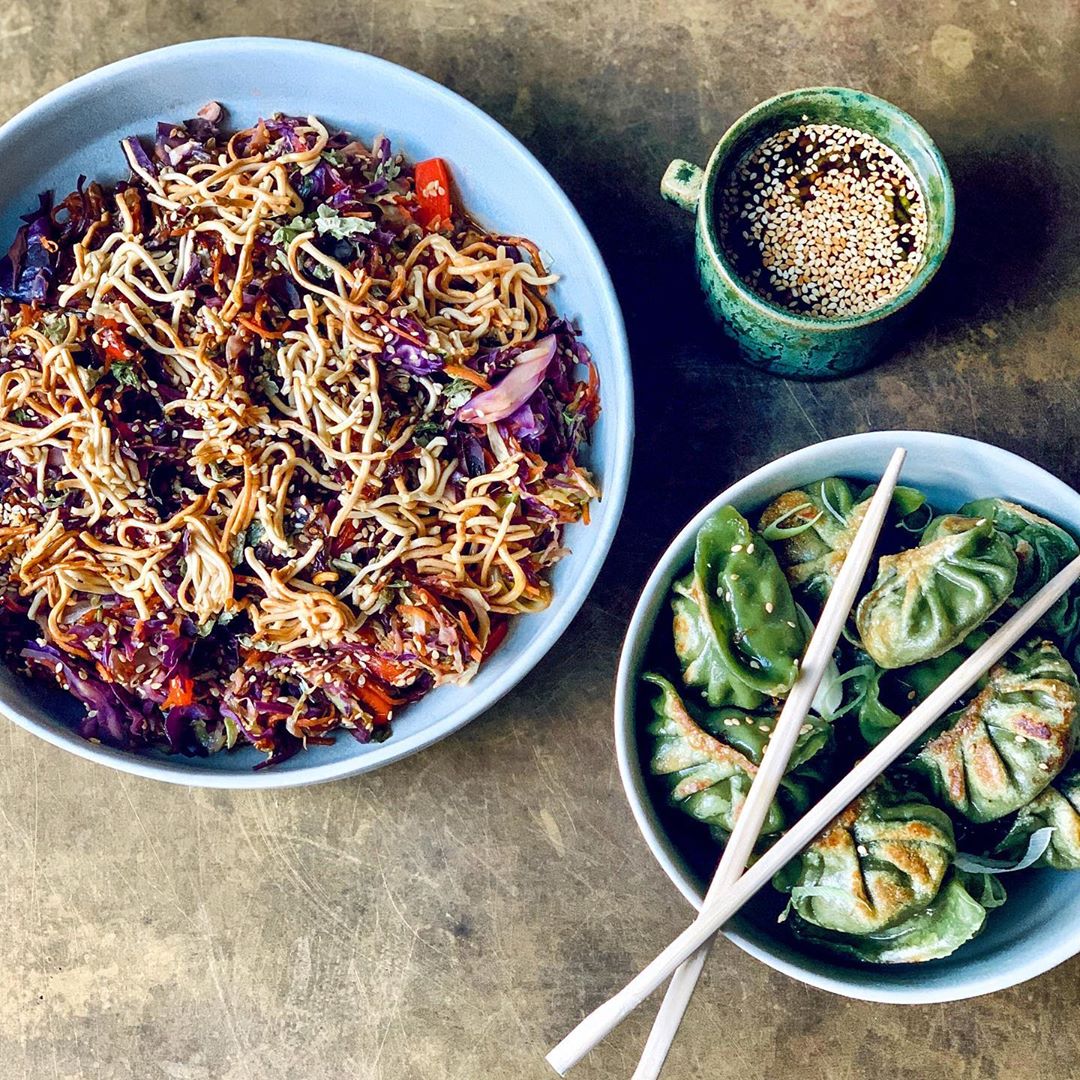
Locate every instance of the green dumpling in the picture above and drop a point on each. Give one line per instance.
(1008, 744)
(737, 633)
(884, 697)
(926, 600)
(1042, 548)
(880, 862)
(708, 759)
(703, 665)
(1057, 808)
(953, 918)
(813, 528)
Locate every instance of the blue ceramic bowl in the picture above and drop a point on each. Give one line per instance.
(1039, 926)
(76, 130)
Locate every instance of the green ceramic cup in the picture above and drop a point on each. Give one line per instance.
(770, 337)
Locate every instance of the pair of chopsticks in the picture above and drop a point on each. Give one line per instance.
(731, 888)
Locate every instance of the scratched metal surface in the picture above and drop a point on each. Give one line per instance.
(451, 916)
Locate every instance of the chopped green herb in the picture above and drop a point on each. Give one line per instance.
(334, 157)
(124, 373)
(427, 430)
(254, 535)
(284, 235)
(22, 416)
(387, 170)
(457, 392)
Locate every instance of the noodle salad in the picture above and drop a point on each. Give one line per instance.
(286, 438)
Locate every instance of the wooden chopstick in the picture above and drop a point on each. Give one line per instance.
(774, 764)
(595, 1026)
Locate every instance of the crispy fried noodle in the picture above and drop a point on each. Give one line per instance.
(285, 438)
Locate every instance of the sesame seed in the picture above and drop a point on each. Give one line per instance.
(769, 606)
(863, 850)
(823, 220)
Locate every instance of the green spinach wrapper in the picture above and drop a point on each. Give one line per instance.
(1057, 808)
(737, 632)
(813, 528)
(881, 861)
(1001, 750)
(1042, 548)
(883, 698)
(708, 758)
(953, 918)
(927, 599)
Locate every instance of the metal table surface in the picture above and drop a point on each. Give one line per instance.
(453, 915)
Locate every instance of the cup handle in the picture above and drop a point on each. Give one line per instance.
(681, 184)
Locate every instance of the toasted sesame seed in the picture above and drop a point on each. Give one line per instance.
(824, 220)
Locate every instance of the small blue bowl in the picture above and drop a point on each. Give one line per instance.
(76, 129)
(1039, 926)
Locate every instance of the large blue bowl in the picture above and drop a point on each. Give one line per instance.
(76, 129)
(1039, 926)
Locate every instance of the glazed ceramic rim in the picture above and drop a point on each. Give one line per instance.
(778, 314)
(675, 559)
(618, 406)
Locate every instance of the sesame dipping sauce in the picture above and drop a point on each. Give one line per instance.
(823, 220)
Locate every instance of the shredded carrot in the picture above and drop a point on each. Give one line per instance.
(457, 371)
(257, 328)
(418, 612)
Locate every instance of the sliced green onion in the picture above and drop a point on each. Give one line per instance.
(1037, 845)
(829, 506)
(775, 531)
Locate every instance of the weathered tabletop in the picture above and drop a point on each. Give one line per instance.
(453, 915)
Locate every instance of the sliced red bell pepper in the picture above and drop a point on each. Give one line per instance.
(110, 338)
(181, 692)
(431, 179)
